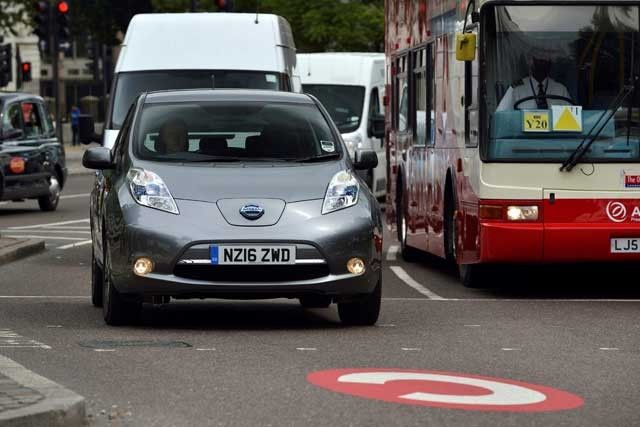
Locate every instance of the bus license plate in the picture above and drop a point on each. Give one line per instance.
(625, 245)
(252, 255)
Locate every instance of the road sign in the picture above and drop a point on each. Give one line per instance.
(445, 390)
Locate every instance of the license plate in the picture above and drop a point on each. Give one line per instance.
(252, 255)
(625, 245)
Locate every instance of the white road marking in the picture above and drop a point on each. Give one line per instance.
(206, 349)
(510, 349)
(102, 350)
(306, 348)
(35, 236)
(43, 297)
(75, 196)
(50, 224)
(392, 253)
(404, 276)
(386, 325)
(54, 231)
(11, 339)
(609, 348)
(54, 326)
(70, 227)
(409, 349)
(555, 300)
(472, 326)
(75, 245)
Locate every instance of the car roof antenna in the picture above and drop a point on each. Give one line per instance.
(257, 10)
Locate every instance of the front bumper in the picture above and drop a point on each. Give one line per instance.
(169, 240)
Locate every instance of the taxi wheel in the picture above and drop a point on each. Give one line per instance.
(363, 311)
(117, 310)
(49, 202)
(96, 282)
(315, 301)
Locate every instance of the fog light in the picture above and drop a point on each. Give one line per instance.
(522, 213)
(143, 266)
(355, 266)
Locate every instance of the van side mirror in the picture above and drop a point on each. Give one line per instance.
(365, 160)
(86, 130)
(98, 158)
(465, 47)
(376, 126)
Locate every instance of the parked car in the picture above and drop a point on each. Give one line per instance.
(233, 194)
(163, 51)
(32, 160)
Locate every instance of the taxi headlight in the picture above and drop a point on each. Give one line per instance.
(149, 190)
(342, 192)
(522, 213)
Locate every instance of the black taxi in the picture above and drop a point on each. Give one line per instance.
(32, 160)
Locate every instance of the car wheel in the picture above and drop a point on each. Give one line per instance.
(408, 253)
(364, 310)
(315, 301)
(116, 309)
(49, 202)
(96, 282)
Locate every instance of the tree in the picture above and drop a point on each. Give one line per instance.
(13, 14)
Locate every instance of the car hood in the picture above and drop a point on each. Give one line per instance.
(203, 182)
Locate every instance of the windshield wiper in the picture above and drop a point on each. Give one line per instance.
(320, 158)
(588, 140)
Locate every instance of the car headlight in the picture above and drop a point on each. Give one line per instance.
(342, 192)
(149, 190)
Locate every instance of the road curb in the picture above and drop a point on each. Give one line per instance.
(59, 407)
(21, 249)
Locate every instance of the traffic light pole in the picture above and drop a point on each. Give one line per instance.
(55, 64)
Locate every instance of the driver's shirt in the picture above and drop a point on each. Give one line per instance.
(527, 87)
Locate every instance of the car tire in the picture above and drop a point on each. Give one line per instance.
(364, 310)
(96, 282)
(49, 203)
(117, 310)
(315, 301)
(408, 253)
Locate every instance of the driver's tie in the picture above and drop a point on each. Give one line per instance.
(541, 99)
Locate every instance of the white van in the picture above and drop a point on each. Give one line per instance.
(351, 87)
(200, 50)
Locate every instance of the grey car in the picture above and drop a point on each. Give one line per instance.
(239, 194)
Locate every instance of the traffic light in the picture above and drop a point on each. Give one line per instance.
(225, 5)
(62, 25)
(42, 24)
(26, 71)
(6, 74)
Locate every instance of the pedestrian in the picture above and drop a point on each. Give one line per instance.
(75, 122)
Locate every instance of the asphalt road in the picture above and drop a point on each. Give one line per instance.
(246, 363)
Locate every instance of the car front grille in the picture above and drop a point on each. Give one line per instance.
(251, 273)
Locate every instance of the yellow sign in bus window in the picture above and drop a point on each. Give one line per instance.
(567, 118)
(535, 121)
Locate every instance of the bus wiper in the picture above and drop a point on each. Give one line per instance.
(588, 140)
(320, 158)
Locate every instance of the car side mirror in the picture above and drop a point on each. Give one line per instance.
(365, 160)
(11, 133)
(98, 158)
(86, 130)
(376, 126)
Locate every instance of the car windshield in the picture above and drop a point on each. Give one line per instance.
(234, 131)
(552, 72)
(344, 103)
(130, 85)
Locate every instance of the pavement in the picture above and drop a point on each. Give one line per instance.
(73, 156)
(572, 333)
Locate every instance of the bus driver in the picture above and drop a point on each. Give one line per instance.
(535, 88)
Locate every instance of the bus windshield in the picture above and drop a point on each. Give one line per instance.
(344, 103)
(552, 73)
(131, 84)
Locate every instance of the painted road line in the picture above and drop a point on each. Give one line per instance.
(11, 339)
(44, 297)
(205, 349)
(404, 276)
(34, 236)
(53, 231)
(409, 349)
(75, 196)
(75, 245)
(306, 348)
(392, 253)
(536, 300)
(609, 348)
(70, 227)
(50, 224)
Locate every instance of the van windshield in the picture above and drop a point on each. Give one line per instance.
(234, 132)
(129, 85)
(344, 103)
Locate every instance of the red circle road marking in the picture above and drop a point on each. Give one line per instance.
(445, 390)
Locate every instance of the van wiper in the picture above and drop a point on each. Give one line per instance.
(588, 140)
(320, 158)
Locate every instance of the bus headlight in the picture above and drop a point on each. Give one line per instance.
(522, 213)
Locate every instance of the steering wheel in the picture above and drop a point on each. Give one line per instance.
(529, 98)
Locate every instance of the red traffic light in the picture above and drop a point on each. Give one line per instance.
(26, 67)
(63, 7)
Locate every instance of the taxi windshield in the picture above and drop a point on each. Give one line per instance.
(553, 73)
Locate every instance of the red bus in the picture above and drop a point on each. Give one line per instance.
(513, 131)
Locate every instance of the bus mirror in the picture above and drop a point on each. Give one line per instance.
(465, 47)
